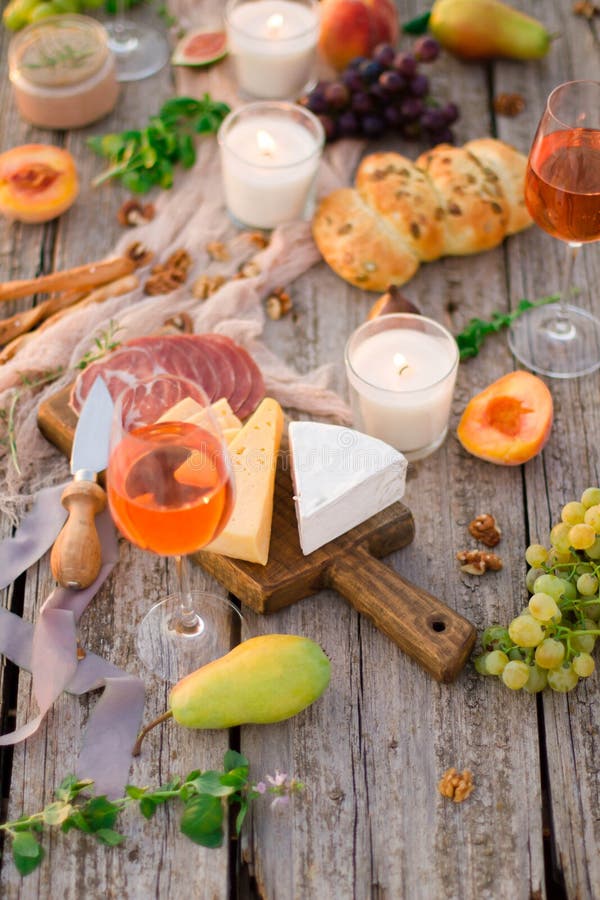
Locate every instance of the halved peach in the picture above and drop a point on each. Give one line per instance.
(510, 421)
(38, 182)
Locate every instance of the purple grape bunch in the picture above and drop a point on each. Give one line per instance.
(384, 93)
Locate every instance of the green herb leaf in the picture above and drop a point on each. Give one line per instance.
(237, 778)
(56, 813)
(136, 793)
(234, 760)
(239, 819)
(110, 837)
(418, 25)
(202, 821)
(27, 852)
(147, 807)
(99, 812)
(471, 338)
(210, 783)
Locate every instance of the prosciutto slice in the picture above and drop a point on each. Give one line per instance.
(213, 362)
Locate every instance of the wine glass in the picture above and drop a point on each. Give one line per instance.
(170, 491)
(139, 49)
(562, 193)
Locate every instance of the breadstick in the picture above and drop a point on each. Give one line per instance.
(76, 279)
(13, 326)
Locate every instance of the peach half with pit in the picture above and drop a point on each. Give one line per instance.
(352, 28)
(38, 182)
(509, 422)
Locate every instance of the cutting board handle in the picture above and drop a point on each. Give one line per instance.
(435, 636)
(76, 556)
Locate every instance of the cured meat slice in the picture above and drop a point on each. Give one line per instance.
(257, 387)
(128, 365)
(141, 402)
(242, 381)
(220, 362)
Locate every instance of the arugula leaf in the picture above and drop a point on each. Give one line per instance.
(202, 821)
(27, 852)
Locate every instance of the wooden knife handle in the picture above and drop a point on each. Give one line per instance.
(76, 555)
(435, 636)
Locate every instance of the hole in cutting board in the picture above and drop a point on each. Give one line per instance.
(437, 625)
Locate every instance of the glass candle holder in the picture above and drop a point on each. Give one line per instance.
(270, 153)
(273, 45)
(401, 370)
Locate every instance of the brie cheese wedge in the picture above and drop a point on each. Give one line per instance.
(341, 478)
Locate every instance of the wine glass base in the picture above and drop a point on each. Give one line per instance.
(171, 651)
(554, 346)
(139, 50)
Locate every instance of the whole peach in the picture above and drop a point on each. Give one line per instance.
(352, 28)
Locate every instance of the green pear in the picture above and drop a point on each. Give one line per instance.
(484, 29)
(262, 680)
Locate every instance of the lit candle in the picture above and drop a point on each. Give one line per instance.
(401, 370)
(273, 45)
(270, 153)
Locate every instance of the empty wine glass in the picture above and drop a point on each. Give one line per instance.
(562, 193)
(170, 491)
(139, 49)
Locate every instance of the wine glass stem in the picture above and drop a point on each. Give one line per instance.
(562, 322)
(188, 619)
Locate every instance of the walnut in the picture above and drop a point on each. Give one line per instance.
(484, 529)
(476, 562)
(586, 9)
(180, 260)
(258, 239)
(249, 269)
(278, 304)
(205, 285)
(163, 282)
(509, 104)
(217, 250)
(455, 786)
(180, 323)
(140, 254)
(134, 213)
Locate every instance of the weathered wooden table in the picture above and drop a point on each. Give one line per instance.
(371, 822)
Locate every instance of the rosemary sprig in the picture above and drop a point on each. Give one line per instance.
(103, 344)
(10, 414)
(471, 338)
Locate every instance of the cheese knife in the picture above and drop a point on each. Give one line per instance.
(76, 555)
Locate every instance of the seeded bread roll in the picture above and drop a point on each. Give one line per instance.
(452, 201)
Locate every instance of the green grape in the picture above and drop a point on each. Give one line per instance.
(584, 642)
(537, 681)
(496, 662)
(494, 636)
(559, 537)
(536, 555)
(549, 654)
(587, 584)
(556, 558)
(582, 536)
(515, 654)
(543, 607)
(531, 576)
(515, 675)
(593, 552)
(480, 664)
(67, 6)
(593, 612)
(570, 591)
(525, 631)
(563, 679)
(572, 513)
(592, 518)
(42, 11)
(550, 584)
(591, 497)
(584, 569)
(583, 665)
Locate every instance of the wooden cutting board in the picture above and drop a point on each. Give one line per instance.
(437, 637)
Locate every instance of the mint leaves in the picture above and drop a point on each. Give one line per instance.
(471, 338)
(205, 797)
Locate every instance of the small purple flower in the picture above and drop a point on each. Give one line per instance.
(279, 780)
(260, 787)
(280, 800)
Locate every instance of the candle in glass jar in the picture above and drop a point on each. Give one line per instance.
(273, 45)
(401, 369)
(269, 157)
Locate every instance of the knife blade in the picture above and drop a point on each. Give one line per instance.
(76, 555)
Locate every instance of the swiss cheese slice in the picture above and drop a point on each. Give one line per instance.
(341, 478)
(253, 453)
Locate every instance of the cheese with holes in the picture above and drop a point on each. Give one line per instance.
(341, 478)
(253, 453)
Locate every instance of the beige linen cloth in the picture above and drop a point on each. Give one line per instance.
(189, 216)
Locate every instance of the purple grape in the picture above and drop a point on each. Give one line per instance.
(426, 49)
(352, 80)
(411, 131)
(412, 108)
(393, 116)
(384, 54)
(362, 103)
(372, 126)
(329, 127)
(451, 113)
(337, 95)
(348, 124)
(418, 86)
(356, 62)
(316, 101)
(444, 136)
(370, 70)
(405, 64)
(379, 93)
(392, 82)
(433, 120)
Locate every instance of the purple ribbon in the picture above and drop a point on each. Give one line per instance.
(48, 650)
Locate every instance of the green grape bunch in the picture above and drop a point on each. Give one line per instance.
(19, 13)
(550, 642)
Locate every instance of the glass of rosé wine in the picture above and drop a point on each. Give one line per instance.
(170, 491)
(562, 193)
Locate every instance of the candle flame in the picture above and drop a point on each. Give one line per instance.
(266, 143)
(400, 363)
(274, 24)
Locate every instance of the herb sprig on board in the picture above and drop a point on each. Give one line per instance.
(471, 338)
(204, 796)
(146, 158)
